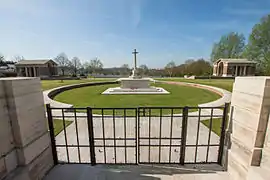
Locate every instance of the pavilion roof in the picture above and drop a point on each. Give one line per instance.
(34, 62)
(237, 61)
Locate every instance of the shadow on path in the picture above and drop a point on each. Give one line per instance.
(123, 172)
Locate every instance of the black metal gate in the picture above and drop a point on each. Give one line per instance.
(143, 135)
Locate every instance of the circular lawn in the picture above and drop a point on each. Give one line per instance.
(179, 96)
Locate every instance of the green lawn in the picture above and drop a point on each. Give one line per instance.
(49, 84)
(58, 125)
(221, 83)
(216, 125)
(179, 96)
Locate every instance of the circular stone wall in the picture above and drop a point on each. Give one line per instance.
(179, 96)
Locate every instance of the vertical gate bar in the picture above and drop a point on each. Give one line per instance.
(52, 135)
(171, 129)
(160, 129)
(149, 140)
(103, 135)
(143, 112)
(137, 135)
(184, 135)
(91, 136)
(209, 135)
(197, 136)
(222, 134)
(114, 140)
(65, 133)
(125, 135)
(77, 136)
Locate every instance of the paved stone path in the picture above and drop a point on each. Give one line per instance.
(131, 133)
(138, 172)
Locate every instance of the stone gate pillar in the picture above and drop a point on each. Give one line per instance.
(250, 106)
(25, 144)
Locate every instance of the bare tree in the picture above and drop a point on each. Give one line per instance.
(17, 58)
(63, 62)
(94, 65)
(2, 59)
(76, 64)
(125, 69)
(170, 67)
(143, 69)
(126, 66)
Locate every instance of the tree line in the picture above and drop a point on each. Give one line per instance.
(232, 45)
(75, 66)
(4, 62)
(199, 67)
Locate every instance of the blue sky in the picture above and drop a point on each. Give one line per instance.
(161, 30)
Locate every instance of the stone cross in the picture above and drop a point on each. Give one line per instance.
(135, 58)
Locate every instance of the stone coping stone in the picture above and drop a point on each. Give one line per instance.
(225, 95)
(17, 78)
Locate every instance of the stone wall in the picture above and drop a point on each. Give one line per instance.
(250, 106)
(61, 89)
(25, 144)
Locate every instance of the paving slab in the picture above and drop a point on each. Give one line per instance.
(138, 172)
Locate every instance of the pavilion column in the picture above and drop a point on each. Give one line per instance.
(225, 70)
(245, 70)
(215, 70)
(29, 72)
(35, 72)
(236, 71)
(240, 70)
(26, 71)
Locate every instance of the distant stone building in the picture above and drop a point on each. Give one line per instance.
(234, 67)
(36, 68)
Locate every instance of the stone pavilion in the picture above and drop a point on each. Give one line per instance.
(36, 68)
(233, 67)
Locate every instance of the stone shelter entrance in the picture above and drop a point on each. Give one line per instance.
(36, 68)
(233, 67)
